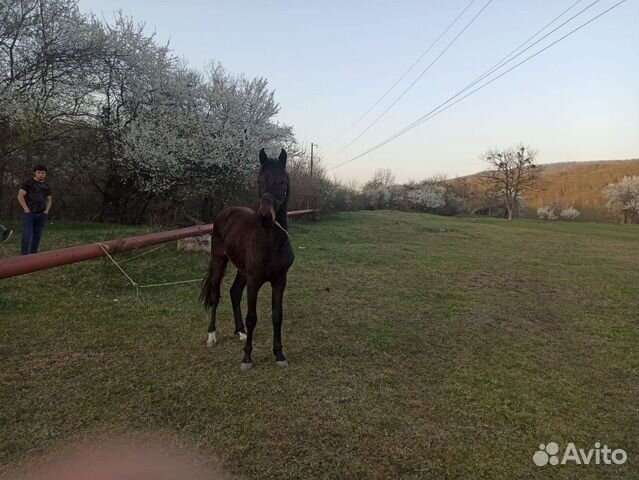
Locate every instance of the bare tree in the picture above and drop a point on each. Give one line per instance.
(511, 173)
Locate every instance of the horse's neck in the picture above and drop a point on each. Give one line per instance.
(281, 216)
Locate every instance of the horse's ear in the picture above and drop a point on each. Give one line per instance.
(282, 158)
(263, 157)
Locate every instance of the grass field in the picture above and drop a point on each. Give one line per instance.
(420, 347)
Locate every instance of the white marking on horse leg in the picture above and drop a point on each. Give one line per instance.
(212, 340)
(242, 336)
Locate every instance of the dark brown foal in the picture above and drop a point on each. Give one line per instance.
(257, 244)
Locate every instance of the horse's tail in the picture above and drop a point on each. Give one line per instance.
(206, 295)
(209, 292)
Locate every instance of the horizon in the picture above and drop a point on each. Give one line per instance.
(547, 164)
(574, 162)
(345, 56)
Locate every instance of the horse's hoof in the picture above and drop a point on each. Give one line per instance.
(246, 366)
(211, 340)
(242, 336)
(281, 363)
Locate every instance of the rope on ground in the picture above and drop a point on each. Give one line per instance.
(136, 284)
(142, 254)
(106, 251)
(170, 283)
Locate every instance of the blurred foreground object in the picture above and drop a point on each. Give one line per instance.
(120, 458)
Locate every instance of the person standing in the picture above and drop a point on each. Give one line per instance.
(35, 199)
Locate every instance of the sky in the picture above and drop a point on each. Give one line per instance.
(330, 61)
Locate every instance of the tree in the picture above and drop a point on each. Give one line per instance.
(428, 196)
(126, 125)
(46, 49)
(377, 190)
(468, 193)
(511, 173)
(623, 197)
(311, 191)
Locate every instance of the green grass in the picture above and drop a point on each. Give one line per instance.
(420, 347)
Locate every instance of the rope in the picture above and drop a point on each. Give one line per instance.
(170, 283)
(136, 284)
(145, 253)
(281, 228)
(105, 250)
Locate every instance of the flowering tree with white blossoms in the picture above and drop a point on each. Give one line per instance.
(623, 197)
(202, 133)
(45, 52)
(377, 190)
(569, 213)
(120, 117)
(427, 196)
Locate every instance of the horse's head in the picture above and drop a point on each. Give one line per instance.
(273, 187)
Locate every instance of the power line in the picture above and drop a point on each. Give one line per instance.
(405, 73)
(436, 111)
(507, 59)
(417, 79)
(430, 115)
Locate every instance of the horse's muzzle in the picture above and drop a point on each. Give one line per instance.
(266, 220)
(266, 211)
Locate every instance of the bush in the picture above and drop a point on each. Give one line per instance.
(570, 213)
(427, 197)
(546, 213)
(623, 198)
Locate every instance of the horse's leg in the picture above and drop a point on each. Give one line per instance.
(253, 287)
(278, 287)
(236, 299)
(218, 265)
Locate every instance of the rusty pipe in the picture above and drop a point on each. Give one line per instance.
(14, 266)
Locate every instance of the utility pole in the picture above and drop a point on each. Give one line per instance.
(315, 144)
(308, 203)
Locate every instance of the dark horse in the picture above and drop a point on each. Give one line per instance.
(258, 245)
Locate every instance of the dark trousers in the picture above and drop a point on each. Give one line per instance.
(32, 226)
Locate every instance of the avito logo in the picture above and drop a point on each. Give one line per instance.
(547, 454)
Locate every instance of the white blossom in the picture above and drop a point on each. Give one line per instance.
(428, 196)
(569, 213)
(546, 213)
(623, 196)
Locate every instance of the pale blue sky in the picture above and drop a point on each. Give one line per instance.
(329, 61)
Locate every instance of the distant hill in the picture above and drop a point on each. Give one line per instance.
(578, 184)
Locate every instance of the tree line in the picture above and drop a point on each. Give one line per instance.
(500, 191)
(131, 133)
(127, 129)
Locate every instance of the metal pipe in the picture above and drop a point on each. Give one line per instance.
(14, 266)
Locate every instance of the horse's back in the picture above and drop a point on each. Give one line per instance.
(227, 219)
(238, 235)
(233, 234)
